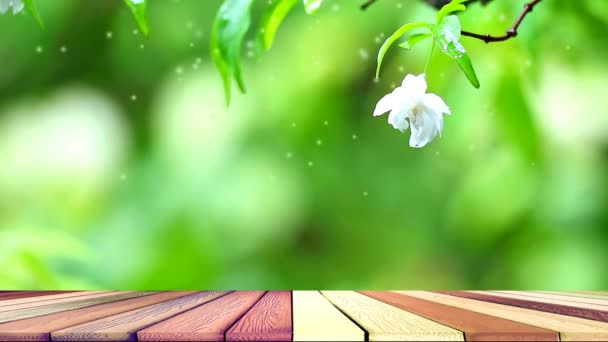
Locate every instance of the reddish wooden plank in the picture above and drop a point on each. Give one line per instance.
(40, 328)
(208, 322)
(476, 326)
(29, 302)
(268, 320)
(15, 315)
(25, 294)
(596, 315)
(124, 326)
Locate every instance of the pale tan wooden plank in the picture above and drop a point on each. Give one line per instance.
(599, 293)
(384, 322)
(542, 300)
(48, 301)
(565, 300)
(316, 319)
(52, 308)
(570, 328)
(574, 294)
(44, 298)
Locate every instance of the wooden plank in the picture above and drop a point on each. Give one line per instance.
(268, 320)
(208, 322)
(124, 326)
(25, 294)
(573, 294)
(570, 328)
(31, 299)
(560, 298)
(596, 315)
(515, 295)
(48, 309)
(476, 326)
(316, 319)
(30, 302)
(599, 293)
(40, 328)
(384, 322)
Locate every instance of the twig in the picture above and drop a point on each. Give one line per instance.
(367, 3)
(434, 3)
(512, 32)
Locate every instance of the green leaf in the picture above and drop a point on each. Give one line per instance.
(414, 39)
(271, 19)
(138, 8)
(390, 40)
(453, 6)
(311, 6)
(229, 28)
(31, 8)
(447, 35)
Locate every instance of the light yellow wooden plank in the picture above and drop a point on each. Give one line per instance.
(315, 319)
(384, 322)
(599, 293)
(567, 300)
(574, 294)
(542, 300)
(570, 328)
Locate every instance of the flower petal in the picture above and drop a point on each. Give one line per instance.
(424, 129)
(397, 119)
(435, 103)
(4, 5)
(385, 104)
(17, 6)
(414, 85)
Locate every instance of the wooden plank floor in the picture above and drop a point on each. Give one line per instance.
(303, 316)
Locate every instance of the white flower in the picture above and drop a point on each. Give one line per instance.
(410, 102)
(17, 6)
(137, 2)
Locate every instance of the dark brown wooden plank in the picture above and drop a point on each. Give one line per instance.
(124, 326)
(476, 326)
(268, 320)
(25, 294)
(596, 315)
(208, 322)
(52, 308)
(40, 328)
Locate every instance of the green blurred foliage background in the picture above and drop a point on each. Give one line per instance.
(121, 167)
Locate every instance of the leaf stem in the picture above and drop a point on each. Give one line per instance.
(428, 61)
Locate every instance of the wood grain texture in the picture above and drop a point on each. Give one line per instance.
(384, 322)
(476, 326)
(570, 328)
(596, 315)
(124, 326)
(516, 295)
(268, 320)
(208, 322)
(559, 298)
(31, 302)
(40, 328)
(27, 294)
(573, 294)
(52, 308)
(316, 319)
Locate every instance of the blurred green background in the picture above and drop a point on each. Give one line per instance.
(122, 168)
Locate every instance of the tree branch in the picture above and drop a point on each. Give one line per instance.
(435, 3)
(511, 32)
